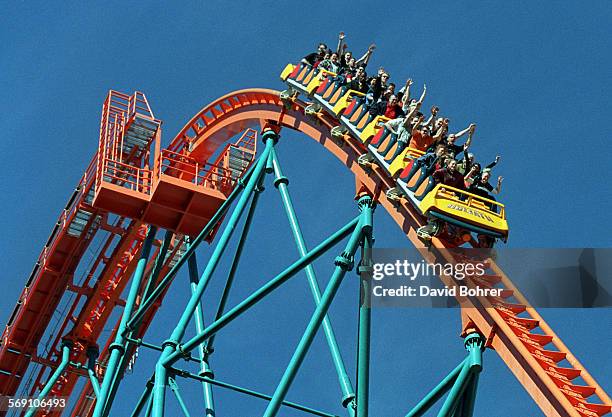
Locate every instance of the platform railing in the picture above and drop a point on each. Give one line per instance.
(138, 104)
(127, 176)
(188, 169)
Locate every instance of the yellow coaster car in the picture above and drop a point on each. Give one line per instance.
(466, 210)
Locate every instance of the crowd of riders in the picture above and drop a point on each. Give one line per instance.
(446, 161)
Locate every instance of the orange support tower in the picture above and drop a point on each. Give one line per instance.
(178, 193)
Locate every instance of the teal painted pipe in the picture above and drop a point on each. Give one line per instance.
(149, 406)
(474, 343)
(66, 346)
(436, 393)
(343, 264)
(469, 397)
(212, 223)
(209, 404)
(171, 344)
(448, 408)
(159, 263)
(144, 399)
(92, 355)
(117, 348)
(263, 291)
(363, 337)
(251, 393)
(210, 345)
(175, 389)
(270, 164)
(281, 182)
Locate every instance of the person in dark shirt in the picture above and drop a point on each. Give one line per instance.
(346, 56)
(452, 138)
(389, 92)
(351, 80)
(450, 176)
(481, 186)
(359, 81)
(331, 64)
(316, 57)
(370, 99)
(390, 109)
(382, 81)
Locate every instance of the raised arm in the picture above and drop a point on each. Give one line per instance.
(422, 98)
(439, 134)
(340, 43)
(366, 57)
(416, 126)
(434, 112)
(469, 129)
(497, 189)
(492, 164)
(406, 96)
(409, 117)
(469, 178)
(418, 103)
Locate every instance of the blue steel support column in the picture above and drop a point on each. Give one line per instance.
(175, 389)
(150, 284)
(117, 348)
(145, 399)
(281, 182)
(159, 263)
(210, 345)
(216, 218)
(436, 393)
(159, 389)
(209, 404)
(263, 291)
(66, 346)
(473, 344)
(365, 314)
(344, 263)
(92, 355)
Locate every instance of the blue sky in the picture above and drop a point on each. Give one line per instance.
(534, 76)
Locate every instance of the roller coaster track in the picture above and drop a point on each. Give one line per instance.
(523, 340)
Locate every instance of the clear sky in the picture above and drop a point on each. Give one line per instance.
(534, 76)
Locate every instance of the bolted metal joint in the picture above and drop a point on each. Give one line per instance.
(344, 261)
(117, 346)
(474, 341)
(67, 343)
(207, 373)
(179, 348)
(474, 344)
(281, 180)
(349, 401)
(93, 350)
(366, 201)
(270, 134)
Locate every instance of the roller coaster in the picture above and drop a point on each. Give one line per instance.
(197, 189)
